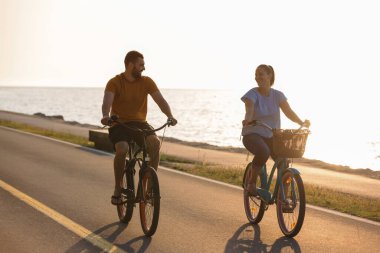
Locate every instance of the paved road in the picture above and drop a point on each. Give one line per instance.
(196, 215)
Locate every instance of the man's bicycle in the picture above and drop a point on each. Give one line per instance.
(288, 190)
(148, 189)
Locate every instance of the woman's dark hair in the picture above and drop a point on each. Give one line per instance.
(132, 57)
(269, 70)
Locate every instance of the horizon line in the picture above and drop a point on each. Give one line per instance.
(96, 87)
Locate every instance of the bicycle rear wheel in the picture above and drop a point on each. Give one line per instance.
(291, 210)
(125, 210)
(253, 206)
(150, 201)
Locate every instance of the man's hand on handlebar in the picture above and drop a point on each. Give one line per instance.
(106, 120)
(172, 121)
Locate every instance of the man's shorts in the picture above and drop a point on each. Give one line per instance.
(121, 133)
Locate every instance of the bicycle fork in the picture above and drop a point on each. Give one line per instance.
(284, 188)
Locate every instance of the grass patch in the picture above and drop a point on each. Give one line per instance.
(360, 206)
(343, 202)
(48, 133)
(216, 172)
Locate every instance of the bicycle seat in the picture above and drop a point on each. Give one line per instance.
(134, 146)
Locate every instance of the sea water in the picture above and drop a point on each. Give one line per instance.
(207, 116)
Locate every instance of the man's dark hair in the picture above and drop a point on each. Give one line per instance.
(132, 57)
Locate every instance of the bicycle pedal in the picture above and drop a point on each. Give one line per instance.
(264, 195)
(287, 207)
(127, 191)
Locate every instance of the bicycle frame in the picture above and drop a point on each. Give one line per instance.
(282, 167)
(133, 151)
(147, 194)
(142, 163)
(288, 193)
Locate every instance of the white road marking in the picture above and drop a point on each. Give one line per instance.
(81, 231)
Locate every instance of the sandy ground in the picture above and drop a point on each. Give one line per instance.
(325, 178)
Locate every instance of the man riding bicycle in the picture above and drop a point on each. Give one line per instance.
(126, 95)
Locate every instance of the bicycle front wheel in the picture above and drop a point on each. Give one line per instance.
(291, 204)
(253, 206)
(150, 201)
(125, 210)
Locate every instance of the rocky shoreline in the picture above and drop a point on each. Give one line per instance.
(61, 118)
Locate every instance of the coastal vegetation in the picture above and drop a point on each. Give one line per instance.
(48, 133)
(360, 206)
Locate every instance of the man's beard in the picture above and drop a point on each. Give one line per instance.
(136, 74)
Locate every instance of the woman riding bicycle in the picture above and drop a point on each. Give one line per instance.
(263, 103)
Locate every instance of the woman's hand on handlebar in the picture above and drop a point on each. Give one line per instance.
(306, 123)
(245, 122)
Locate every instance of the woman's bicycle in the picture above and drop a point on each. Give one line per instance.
(288, 191)
(148, 189)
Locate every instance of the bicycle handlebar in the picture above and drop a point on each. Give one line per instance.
(115, 119)
(259, 123)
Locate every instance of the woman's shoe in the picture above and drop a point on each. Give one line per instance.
(251, 189)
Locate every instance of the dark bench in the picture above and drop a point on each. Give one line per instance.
(101, 140)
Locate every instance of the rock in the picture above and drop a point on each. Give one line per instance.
(39, 114)
(56, 117)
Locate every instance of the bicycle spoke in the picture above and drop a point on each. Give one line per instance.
(125, 209)
(150, 202)
(254, 207)
(291, 204)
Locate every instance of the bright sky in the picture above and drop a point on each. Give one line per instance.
(324, 50)
(191, 44)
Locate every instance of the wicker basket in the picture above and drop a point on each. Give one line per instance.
(289, 143)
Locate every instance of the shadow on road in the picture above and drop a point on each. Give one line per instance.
(247, 239)
(110, 233)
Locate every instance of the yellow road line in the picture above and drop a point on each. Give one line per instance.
(64, 221)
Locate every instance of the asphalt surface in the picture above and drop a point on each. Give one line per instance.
(196, 215)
